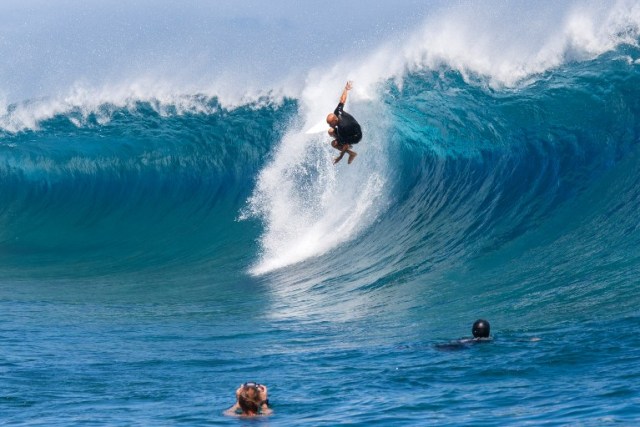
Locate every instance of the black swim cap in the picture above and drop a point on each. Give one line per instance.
(481, 329)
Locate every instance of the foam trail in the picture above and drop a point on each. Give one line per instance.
(309, 205)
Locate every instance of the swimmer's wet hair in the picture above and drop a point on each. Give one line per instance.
(248, 404)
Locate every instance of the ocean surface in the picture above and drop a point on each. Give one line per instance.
(157, 250)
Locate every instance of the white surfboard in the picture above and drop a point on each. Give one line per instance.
(320, 127)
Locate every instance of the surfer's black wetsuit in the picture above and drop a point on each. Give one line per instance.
(348, 129)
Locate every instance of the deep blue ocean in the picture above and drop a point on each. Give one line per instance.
(154, 256)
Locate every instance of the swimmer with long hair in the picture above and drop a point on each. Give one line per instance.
(251, 400)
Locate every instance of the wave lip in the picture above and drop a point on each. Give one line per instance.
(495, 43)
(84, 105)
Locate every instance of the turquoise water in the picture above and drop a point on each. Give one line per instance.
(153, 257)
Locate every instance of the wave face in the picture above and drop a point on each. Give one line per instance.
(135, 187)
(453, 176)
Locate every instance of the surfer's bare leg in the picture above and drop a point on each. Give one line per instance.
(352, 155)
(346, 148)
(341, 148)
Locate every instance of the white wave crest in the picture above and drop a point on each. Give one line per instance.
(502, 43)
(83, 101)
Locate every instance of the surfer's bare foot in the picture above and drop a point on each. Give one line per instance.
(337, 159)
(352, 156)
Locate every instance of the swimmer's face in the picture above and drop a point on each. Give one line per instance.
(332, 120)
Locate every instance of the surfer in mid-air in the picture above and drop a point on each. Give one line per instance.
(344, 128)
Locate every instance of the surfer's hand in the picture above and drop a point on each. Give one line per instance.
(349, 85)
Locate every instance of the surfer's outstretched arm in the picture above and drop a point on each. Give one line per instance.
(345, 92)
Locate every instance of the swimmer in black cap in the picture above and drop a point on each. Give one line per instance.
(480, 331)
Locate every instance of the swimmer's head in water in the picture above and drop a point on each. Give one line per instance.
(481, 329)
(248, 404)
(332, 120)
(249, 398)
